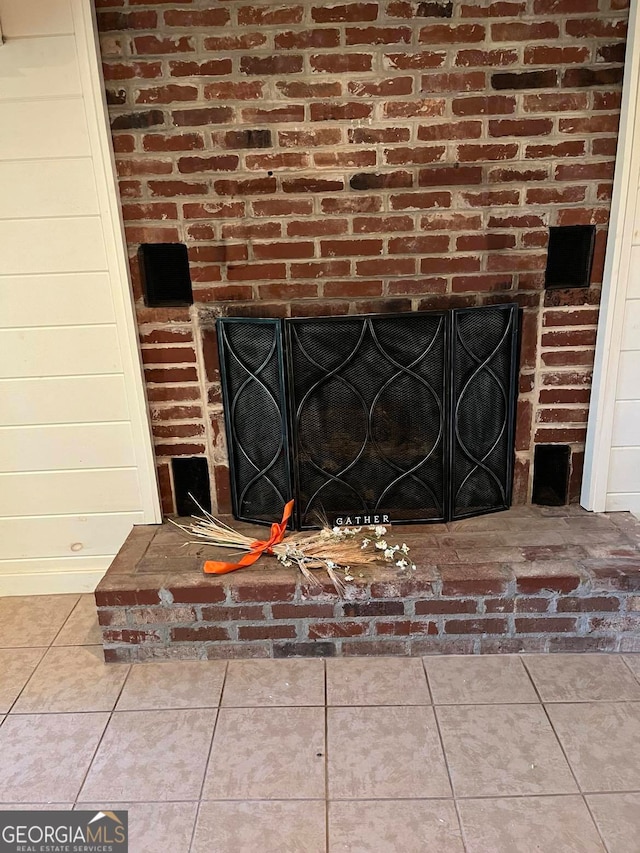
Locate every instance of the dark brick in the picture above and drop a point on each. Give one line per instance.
(259, 138)
(131, 121)
(577, 77)
(612, 52)
(434, 10)
(364, 181)
(276, 64)
(547, 79)
(304, 650)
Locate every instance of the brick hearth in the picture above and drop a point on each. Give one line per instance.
(531, 579)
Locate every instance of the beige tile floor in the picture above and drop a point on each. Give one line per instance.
(495, 754)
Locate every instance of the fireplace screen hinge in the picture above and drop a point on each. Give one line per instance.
(408, 416)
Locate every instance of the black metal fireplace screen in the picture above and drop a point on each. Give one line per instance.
(405, 417)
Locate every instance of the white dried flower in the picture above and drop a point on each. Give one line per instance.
(348, 576)
(356, 529)
(349, 531)
(325, 533)
(401, 564)
(389, 554)
(380, 530)
(381, 545)
(365, 542)
(337, 531)
(404, 548)
(413, 567)
(330, 564)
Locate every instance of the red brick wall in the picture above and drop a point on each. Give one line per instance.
(364, 156)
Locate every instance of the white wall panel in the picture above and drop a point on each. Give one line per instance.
(76, 461)
(63, 492)
(64, 119)
(39, 68)
(68, 536)
(633, 289)
(52, 245)
(624, 469)
(56, 300)
(629, 376)
(35, 18)
(626, 424)
(49, 448)
(631, 326)
(48, 188)
(63, 399)
(59, 351)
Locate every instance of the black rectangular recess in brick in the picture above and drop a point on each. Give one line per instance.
(409, 415)
(164, 271)
(570, 256)
(551, 474)
(191, 477)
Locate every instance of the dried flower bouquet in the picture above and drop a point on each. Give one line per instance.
(338, 551)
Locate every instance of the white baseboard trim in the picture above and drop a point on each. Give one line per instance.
(623, 502)
(50, 583)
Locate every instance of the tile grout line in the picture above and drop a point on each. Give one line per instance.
(336, 707)
(101, 738)
(208, 761)
(566, 757)
(444, 755)
(326, 757)
(71, 612)
(636, 675)
(24, 686)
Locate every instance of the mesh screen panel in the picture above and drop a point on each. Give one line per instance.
(368, 415)
(483, 379)
(410, 415)
(255, 416)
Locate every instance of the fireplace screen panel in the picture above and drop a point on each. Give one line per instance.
(407, 415)
(368, 415)
(251, 362)
(483, 380)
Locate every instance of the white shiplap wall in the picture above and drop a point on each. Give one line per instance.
(623, 487)
(612, 454)
(76, 465)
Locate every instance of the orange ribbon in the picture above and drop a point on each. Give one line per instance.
(213, 567)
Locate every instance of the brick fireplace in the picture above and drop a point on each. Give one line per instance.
(325, 158)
